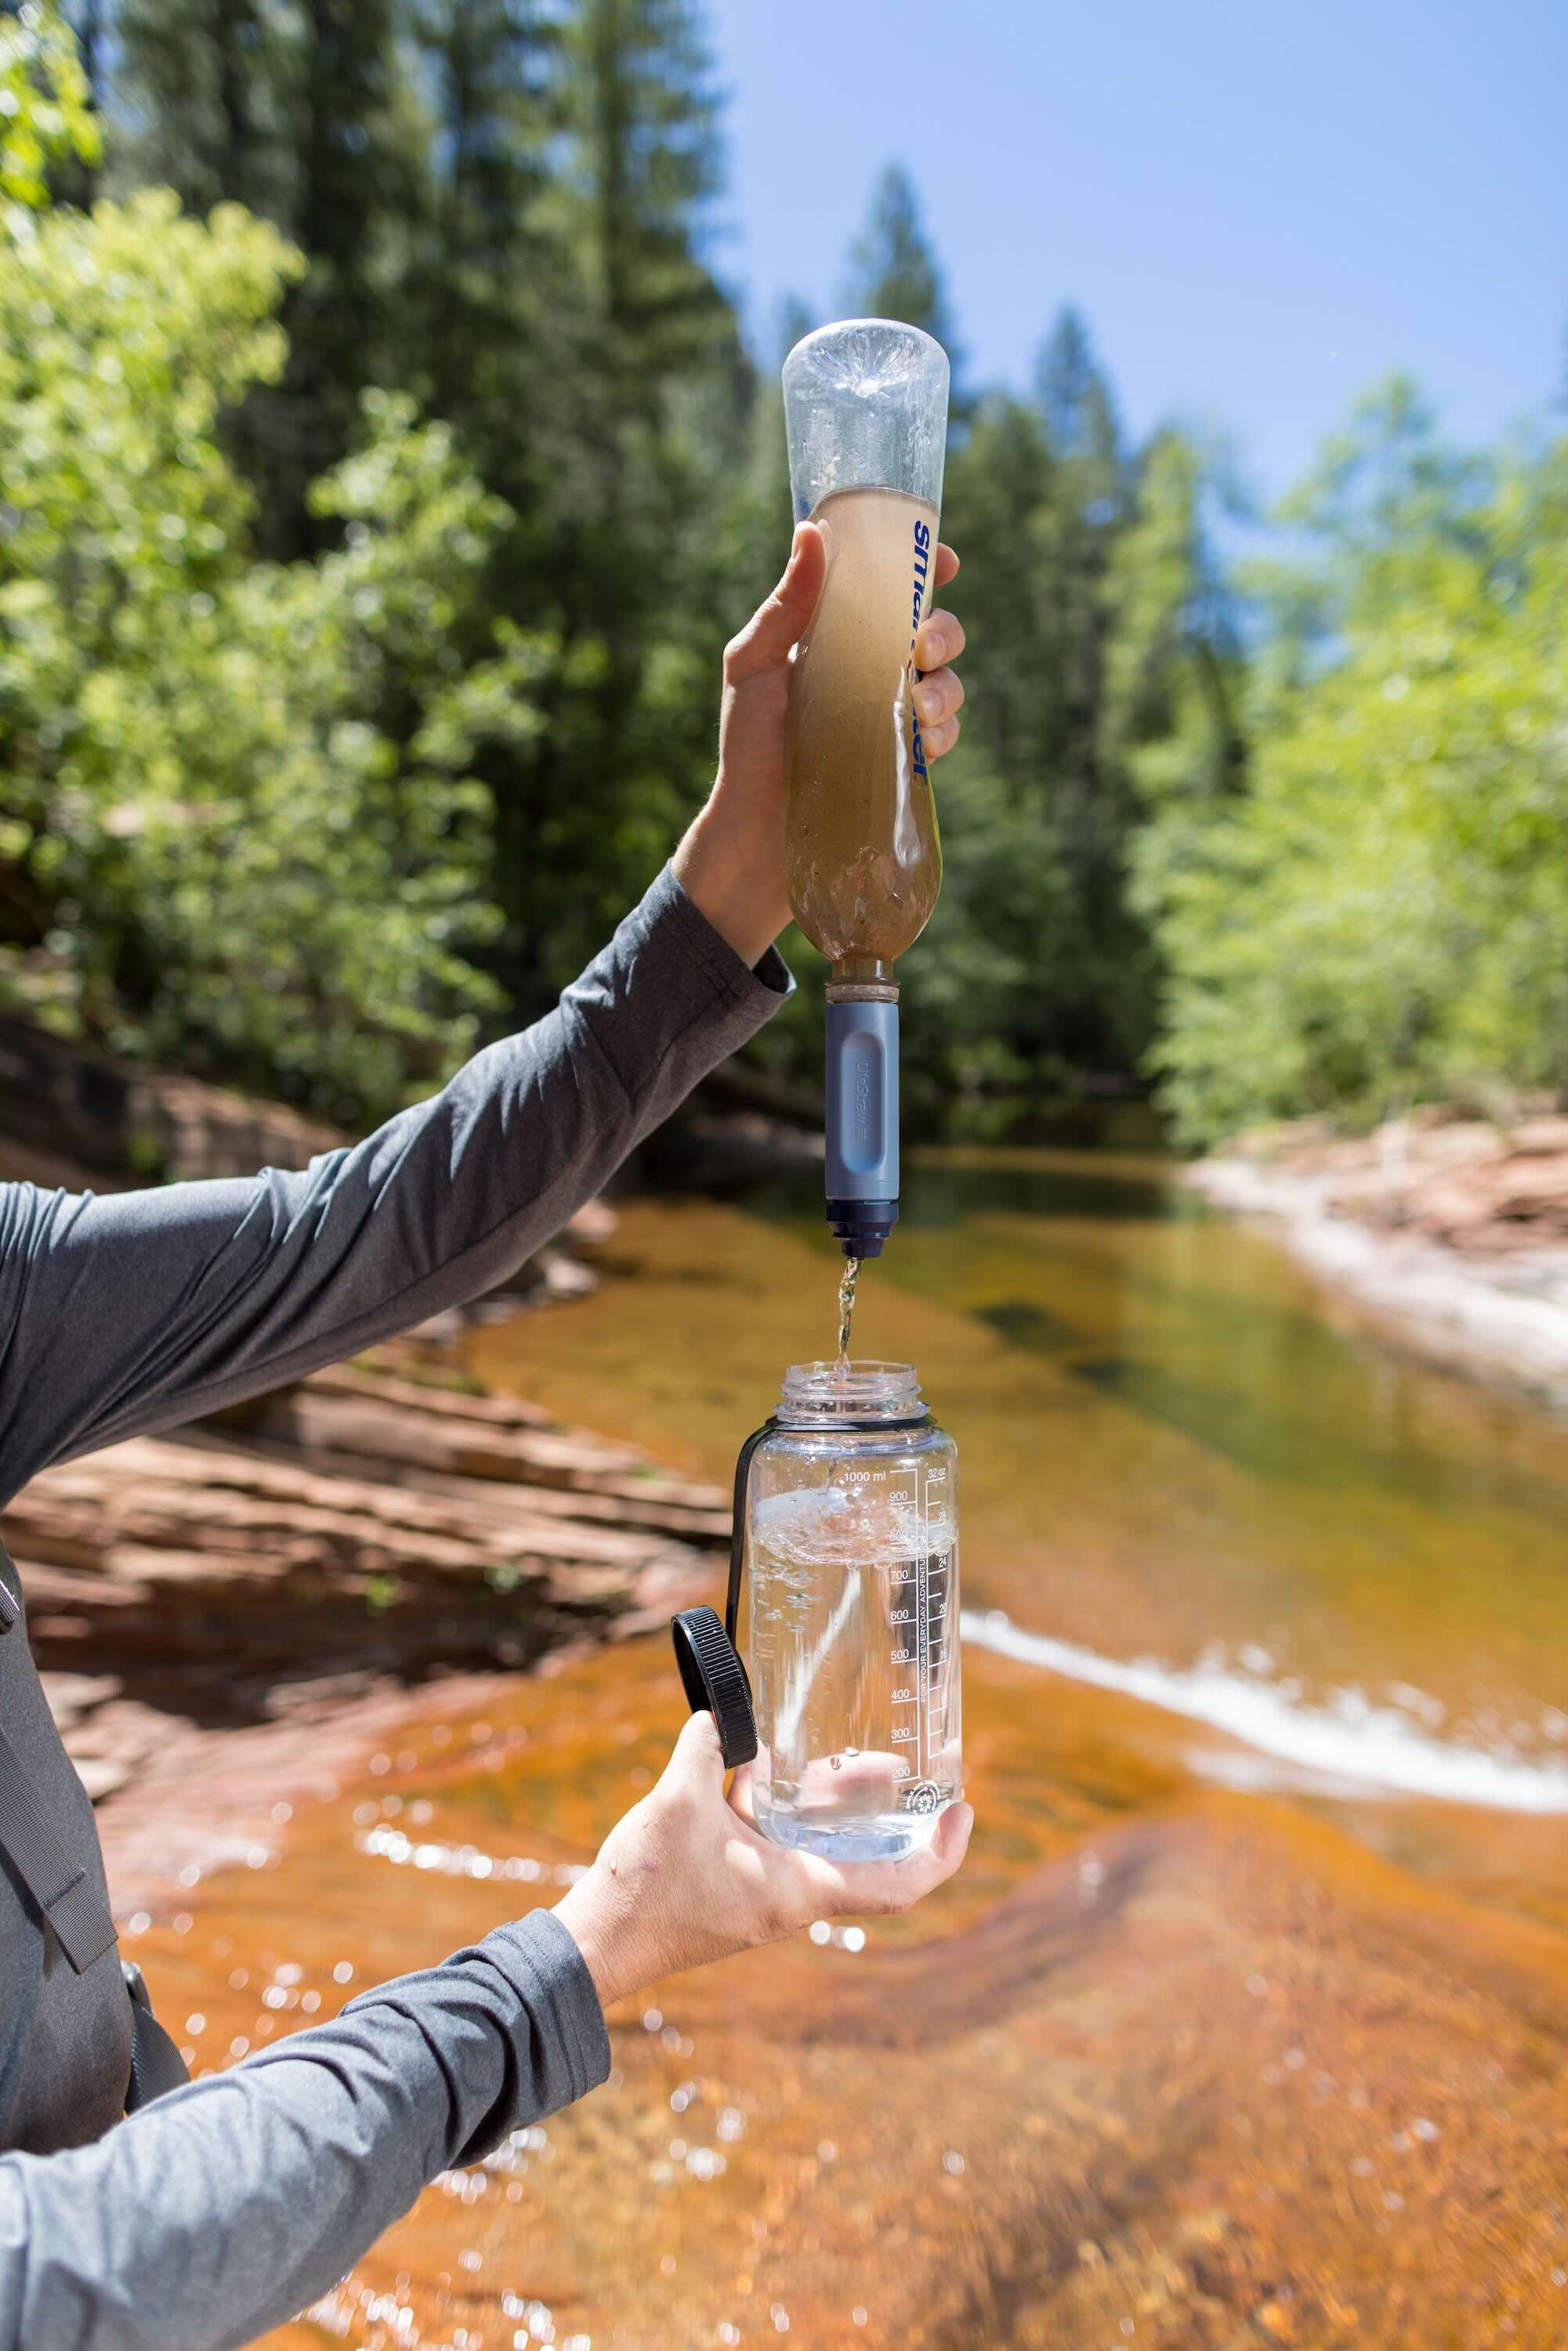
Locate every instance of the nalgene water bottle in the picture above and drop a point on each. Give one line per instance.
(846, 1504)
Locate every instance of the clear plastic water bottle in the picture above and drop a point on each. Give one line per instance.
(851, 1524)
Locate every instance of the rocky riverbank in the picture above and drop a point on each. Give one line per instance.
(228, 1617)
(284, 1573)
(1452, 1231)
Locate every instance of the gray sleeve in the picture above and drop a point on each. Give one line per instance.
(222, 2209)
(142, 1308)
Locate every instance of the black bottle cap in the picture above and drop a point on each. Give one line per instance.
(715, 1678)
(861, 1227)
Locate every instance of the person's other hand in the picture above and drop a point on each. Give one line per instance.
(686, 1876)
(731, 862)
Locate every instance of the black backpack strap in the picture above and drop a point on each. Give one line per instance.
(156, 2065)
(10, 1607)
(73, 1904)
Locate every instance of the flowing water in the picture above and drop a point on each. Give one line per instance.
(847, 1286)
(1247, 2021)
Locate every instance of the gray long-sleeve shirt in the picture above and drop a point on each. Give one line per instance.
(222, 2209)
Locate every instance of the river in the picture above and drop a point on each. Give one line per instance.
(1246, 2020)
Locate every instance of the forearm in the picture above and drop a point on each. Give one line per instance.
(202, 1294)
(740, 892)
(219, 2211)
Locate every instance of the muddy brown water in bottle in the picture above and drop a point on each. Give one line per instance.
(1219, 2046)
(863, 860)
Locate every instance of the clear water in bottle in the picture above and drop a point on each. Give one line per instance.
(853, 1539)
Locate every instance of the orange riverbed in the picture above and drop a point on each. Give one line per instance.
(1207, 2046)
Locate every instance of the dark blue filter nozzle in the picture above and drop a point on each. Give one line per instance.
(861, 1169)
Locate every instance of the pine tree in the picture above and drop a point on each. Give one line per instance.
(893, 274)
(641, 416)
(302, 113)
(199, 104)
(356, 187)
(642, 115)
(482, 276)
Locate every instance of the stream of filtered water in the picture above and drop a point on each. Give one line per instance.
(847, 1287)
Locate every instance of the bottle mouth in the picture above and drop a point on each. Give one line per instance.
(858, 1390)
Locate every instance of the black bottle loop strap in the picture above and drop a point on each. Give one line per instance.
(737, 1525)
(156, 2064)
(711, 1668)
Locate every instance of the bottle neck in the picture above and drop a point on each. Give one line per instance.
(857, 1395)
(861, 979)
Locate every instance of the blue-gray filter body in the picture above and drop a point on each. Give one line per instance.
(861, 1170)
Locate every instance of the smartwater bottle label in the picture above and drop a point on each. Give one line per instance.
(922, 567)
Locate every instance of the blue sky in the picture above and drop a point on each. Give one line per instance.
(1259, 208)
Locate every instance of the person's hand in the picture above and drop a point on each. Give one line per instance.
(731, 862)
(687, 1878)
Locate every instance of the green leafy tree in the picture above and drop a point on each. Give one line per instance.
(46, 112)
(221, 836)
(1382, 915)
